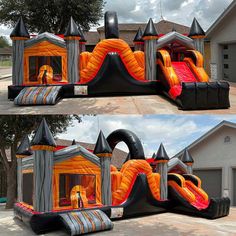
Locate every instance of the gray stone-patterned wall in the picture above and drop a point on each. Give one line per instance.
(18, 62)
(43, 171)
(19, 180)
(199, 45)
(190, 169)
(163, 170)
(73, 53)
(150, 59)
(106, 180)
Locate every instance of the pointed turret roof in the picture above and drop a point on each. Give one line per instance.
(161, 153)
(102, 145)
(43, 136)
(73, 142)
(24, 147)
(150, 29)
(196, 29)
(154, 155)
(20, 30)
(72, 29)
(186, 157)
(139, 36)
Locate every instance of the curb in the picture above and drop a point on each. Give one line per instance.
(5, 76)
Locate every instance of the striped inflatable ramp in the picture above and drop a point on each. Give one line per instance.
(45, 95)
(82, 222)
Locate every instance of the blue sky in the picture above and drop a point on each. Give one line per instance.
(174, 131)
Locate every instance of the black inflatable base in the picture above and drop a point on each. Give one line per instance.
(218, 207)
(197, 96)
(139, 203)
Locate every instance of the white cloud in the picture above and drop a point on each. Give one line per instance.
(175, 132)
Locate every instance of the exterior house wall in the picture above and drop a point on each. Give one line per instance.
(224, 34)
(215, 153)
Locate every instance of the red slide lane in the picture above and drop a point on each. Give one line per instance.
(183, 72)
(200, 202)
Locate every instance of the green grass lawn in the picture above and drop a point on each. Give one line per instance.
(6, 63)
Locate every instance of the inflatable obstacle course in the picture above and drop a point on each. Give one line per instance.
(80, 190)
(171, 64)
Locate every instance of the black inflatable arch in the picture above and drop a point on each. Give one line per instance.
(111, 25)
(130, 139)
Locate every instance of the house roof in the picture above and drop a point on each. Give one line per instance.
(206, 135)
(230, 9)
(92, 37)
(163, 27)
(6, 51)
(128, 31)
(118, 156)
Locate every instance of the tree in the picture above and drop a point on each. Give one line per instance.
(51, 15)
(3, 42)
(13, 129)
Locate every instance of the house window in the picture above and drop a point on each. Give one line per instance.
(226, 56)
(86, 184)
(225, 47)
(27, 188)
(226, 66)
(227, 139)
(36, 62)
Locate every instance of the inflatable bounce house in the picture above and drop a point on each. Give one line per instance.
(47, 67)
(81, 191)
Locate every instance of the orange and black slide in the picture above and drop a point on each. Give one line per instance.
(188, 197)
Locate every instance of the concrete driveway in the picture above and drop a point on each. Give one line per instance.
(160, 224)
(150, 104)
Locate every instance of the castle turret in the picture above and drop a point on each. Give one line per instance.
(23, 151)
(18, 37)
(72, 37)
(150, 37)
(197, 34)
(188, 160)
(138, 41)
(43, 145)
(104, 152)
(162, 161)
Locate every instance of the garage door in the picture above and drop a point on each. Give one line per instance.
(234, 187)
(229, 58)
(211, 181)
